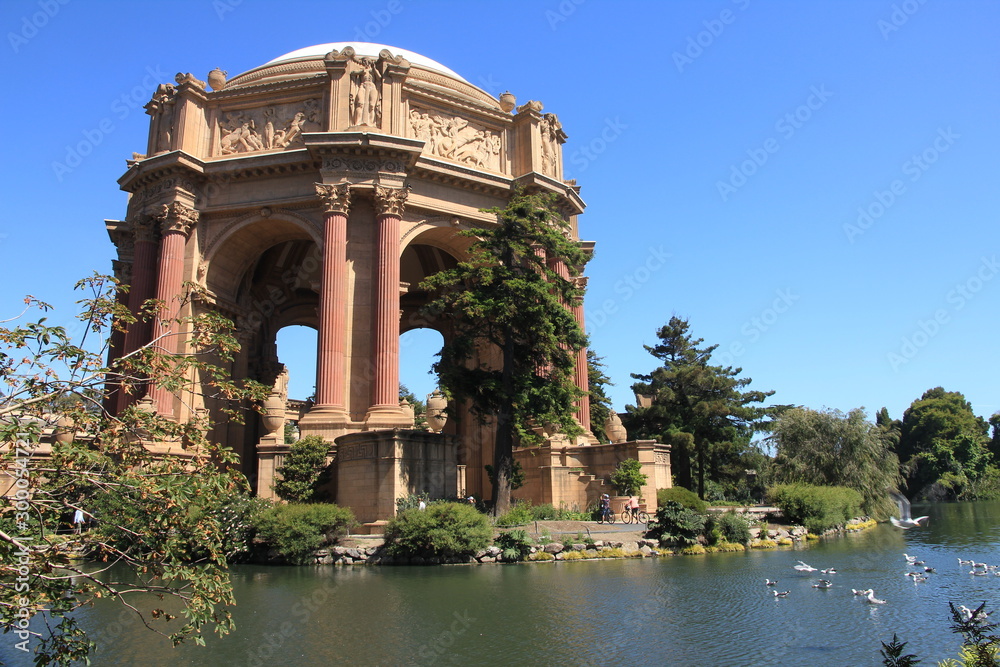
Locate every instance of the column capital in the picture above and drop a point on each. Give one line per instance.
(390, 201)
(335, 198)
(177, 218)
(143, 228)
(122, 271)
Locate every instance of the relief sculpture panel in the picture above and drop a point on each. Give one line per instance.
(268, 128)
(455, 138)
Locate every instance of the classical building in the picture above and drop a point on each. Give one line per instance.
(320, 189)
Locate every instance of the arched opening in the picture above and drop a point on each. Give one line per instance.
(297, 351)
(418, 350)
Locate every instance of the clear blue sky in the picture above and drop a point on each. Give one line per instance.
(724, 148)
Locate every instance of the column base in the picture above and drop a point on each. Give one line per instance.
(326, 421)
(386, 416)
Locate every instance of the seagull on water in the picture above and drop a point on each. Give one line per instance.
(857, 592)
(803, 567)
(823, 583)
(910, 559)
(781, 594)
(977, 615)
(768, 582)
(872, 599)
(904, 521)
(829, 570)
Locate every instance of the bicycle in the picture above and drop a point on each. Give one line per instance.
(640, 516)
(606, 516)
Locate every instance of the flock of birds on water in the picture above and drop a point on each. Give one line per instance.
(918, 576)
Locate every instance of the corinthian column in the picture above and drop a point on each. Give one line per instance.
(384, 410)
(176, 222)
(330, 380)
(581, 372)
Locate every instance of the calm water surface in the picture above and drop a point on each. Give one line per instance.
(698, 610)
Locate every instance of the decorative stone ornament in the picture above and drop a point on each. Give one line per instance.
(335, 198)
(436, 405)
(507, 101)
(614, 428)
(217, 78)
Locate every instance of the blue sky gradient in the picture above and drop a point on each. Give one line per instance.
(813, 184)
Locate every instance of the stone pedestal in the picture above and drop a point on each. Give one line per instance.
(374, 468)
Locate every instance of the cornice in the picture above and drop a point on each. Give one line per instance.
(456, 175)
(253, 92)
(417, 92)
(570, 197)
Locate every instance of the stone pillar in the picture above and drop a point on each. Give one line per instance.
(176, 221)
(143, 278)
(582, 371)
(114, 396)
(384, 411)
(330, 380)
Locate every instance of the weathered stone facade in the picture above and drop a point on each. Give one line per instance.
(320, 189)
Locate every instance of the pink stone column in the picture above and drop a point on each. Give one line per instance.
(143, 285)
(582, 374)
(330, 381)
(176, 221)
(389, 203)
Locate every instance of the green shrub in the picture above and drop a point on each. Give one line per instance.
(628, 477)
(518, 515)
(679, 494)
(515, 545)
(411, 501)
(731, 527)
(541, 556)
(818, 508)
(544, 512)
(301, 474)
(296, 530)
(676, 524)
(442, 530)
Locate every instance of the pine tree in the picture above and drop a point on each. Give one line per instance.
(697, 408)
(508, 300)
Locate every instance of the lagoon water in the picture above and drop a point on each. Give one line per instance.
(695, 610)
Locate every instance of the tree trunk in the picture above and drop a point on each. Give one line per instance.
(503, 447)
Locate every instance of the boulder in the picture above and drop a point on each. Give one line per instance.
(553, 548)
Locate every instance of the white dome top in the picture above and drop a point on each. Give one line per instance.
(363, 49)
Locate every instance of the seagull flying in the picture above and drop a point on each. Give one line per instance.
(803, 567)
(904, 521)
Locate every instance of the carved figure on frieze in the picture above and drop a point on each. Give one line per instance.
(335, 198)
(279, 127)
(390, 201)
(365, 97)
(457, 139)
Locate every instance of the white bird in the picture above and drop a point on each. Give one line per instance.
(904, 521)
(857, 592)
(919, 579)
(829, 570)
(978, 573)
(768, 582)
(802, 567)
(929, 569)
(964, 562)
(909, 559)
(781, 594)
(823, 583)
(872, 599)
(970, 615)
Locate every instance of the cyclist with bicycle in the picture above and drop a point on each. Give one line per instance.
(633, 507)
(606, 508)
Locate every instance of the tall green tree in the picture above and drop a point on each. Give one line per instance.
(511, 354)
(829, 448)
(600, 403)
(169, 521)
(698, 408)
(943, 445)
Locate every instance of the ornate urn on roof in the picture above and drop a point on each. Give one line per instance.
(436, 416)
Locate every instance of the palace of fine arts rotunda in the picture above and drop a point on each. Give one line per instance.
(320, 189)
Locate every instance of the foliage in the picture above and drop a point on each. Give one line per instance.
(515, 545)
(892, 654)
(301, 473)
(939, 435)
(728, 527)
(829, 448)
(510, 295)
(679, 494)
(419, 407)
(818, 508)
(412, 501)
(700, 409)
(519, 514)
(676, 524)
(163, 518)
(600, 402)
(290, 433)
(296, 530)
(628, 477)
(442, 530)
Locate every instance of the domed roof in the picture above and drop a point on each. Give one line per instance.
(318, 51)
